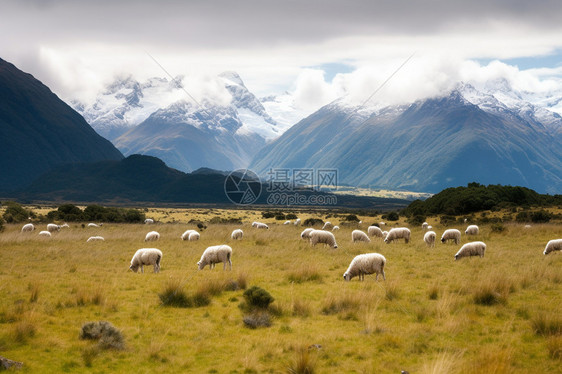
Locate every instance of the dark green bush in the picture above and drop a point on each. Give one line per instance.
(351, 218)
(313, 222)
(268, 214)
(280, 217)
(107, 335)
(291, 216)
(15, 213)
(541, 216)
(392, 216)
(257, 298)
(416, 220)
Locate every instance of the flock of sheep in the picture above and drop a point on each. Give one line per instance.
(361, 265)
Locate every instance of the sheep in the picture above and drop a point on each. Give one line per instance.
(146, 256)
(45, 234)
(64, 226)
(527, 226)
(237, 234)
(335, 228)
(553, 245)
(472, 230)
(28, 227)
(190, 235)
(148, 221)
(215, 254)
(398, 233)
(471, 249)
(287, 223)
(367, 263)
(306, 233)
(322, 236)
(297, 222)
(451, 234)
(382, 224)
(430, 227)
(374, 231)
(152, 236)
(425, 225)
(359, 236)
(95, 239)
(260, 225)
(94, 225)
(384, 234)
(429, 238)
(327, 226)
(51, 227)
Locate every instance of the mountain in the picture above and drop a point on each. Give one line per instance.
(463, 136)
(126, 181)
(39, 132)
(156, 118)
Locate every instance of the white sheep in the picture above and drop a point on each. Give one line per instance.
(327, 226)
(146, 256)
(237, 234)
(148, 221)
(374, 231)
(384, 234)
(553, 245)
(429, 238)
(324, 237)
(287, 223)
(430, 227)
(297, 222)
(425, 225)
(359, 236)
(335, 228)
(527, 226)
(368, 263)
(451, 234)
(46, 234)
(215, 254)
(64, 226)
(51, 227)
(471, 249)
(95, 239)
(382, 224)
(398, 233)
(185, 235)
(306, 233)
(472, 230)
(94, 225)
(28, 227)
(260, 225)
(194, 236)
(152, 236)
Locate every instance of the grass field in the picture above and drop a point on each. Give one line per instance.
(497, 314)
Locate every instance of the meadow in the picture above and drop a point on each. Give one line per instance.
(497, 314)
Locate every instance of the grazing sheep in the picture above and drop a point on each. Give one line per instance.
(297, 222)
(553, 245)
(368, 263)
(95, 239)
(194, 236)
(322, 236)
(359, 236)
(429, 238)
(471, 249)
(146, 256)
(237, 234)
(430, 227)
(215, 254)
(382, 224)
(148, 221)
(51, 227)
(335, 228)
(152, 236)
(425, 225)
(527, 226)
(185, 235)
(28, 227)
(398, 233)
(384, 234)
(472, 230)
(45, 234)
(287, 223)
(451, 234)
(374, 231)
(327, 226)
(260, 225)
(64, 226)
(306, 233)
(94, 225)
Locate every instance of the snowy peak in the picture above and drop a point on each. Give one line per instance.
(232, 78)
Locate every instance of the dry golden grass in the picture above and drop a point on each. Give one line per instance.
(496, 314)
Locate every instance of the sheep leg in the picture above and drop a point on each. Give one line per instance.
(142, 268)
(383, 277)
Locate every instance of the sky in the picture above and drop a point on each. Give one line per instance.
(318, 50)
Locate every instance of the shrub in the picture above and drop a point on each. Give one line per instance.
(497, 227)
(351, 218)
(15, 213)
(392, 216)
(547, 324)
(447, 220)
(257, 319)
(291, 216)
(416, 220)
(280, 217)
(309, 222)
(268, 214)
(257, 298)
(1, 224)
(66, 212)
(107, 335)
(541, 216)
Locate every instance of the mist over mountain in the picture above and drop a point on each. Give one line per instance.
(466, 135)
(39, 132)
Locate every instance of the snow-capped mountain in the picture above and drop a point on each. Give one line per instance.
(466, 135)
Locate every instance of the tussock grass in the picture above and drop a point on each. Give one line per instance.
(547, 324)
(444, 363)
(493, 290)
(307, 273)
(303, 363)
(554, 347)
